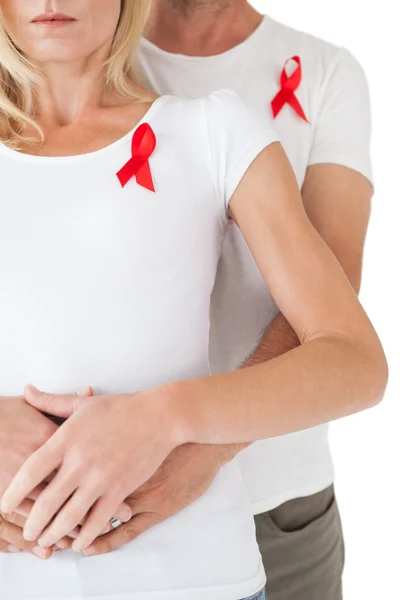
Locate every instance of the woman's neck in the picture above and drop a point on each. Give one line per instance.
(70, 88)
(200, 27)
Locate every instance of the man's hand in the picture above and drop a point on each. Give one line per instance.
(183, 477)
(12, 539)
(23, 430)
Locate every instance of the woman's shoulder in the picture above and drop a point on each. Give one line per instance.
(231, 119)
(222, 120)
(220, 100)
(220, 111)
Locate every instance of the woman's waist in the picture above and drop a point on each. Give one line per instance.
(210, 543)
(109, 369)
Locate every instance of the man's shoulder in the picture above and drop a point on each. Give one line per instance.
(291, 35)
(313, 49)
(320, 58)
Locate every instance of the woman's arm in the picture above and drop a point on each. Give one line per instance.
(338, 369)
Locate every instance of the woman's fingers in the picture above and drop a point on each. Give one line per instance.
(39, 489)
(63, 544)
(24, 510)
(91, 471)
(26, 505)
(73, 513)
(49, 503)
(15, 519)
(99, 516)
(33, 472)
(56, 404)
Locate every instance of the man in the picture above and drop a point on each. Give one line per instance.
(193, 47)
(319, 102)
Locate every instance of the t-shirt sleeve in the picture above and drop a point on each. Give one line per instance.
(237, 135)
(342, 132)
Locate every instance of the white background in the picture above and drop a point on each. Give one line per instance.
(366, 447)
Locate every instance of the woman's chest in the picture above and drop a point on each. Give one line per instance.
(94, 274)
(77, 218)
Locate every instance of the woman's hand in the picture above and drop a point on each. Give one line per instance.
(108, 447)
(12, 530)
(185, 475)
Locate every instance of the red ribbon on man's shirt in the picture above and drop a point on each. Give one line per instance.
(143, 146)
(286, 94)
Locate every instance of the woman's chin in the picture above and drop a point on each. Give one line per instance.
(53, 50)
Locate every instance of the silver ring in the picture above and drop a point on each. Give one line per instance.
(115, 523)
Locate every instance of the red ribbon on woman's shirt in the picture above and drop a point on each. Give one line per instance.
(143, 146)
(286, 94)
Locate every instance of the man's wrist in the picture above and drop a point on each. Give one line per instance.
(218, 455)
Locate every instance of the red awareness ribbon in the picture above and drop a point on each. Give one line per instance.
(143, 146)
(286, 94)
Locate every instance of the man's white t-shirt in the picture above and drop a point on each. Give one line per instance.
(333, 94)
(111, 286)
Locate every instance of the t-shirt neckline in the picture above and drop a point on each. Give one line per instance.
(252, 38)
(22, 156)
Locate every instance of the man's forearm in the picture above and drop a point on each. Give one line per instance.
(277, 339)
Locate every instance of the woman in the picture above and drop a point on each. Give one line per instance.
(111, 228)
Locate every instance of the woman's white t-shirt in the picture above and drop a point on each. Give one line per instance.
(110, 286)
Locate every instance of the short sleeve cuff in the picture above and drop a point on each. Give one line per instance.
(236, 174)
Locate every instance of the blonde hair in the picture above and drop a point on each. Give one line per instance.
(19, 78)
